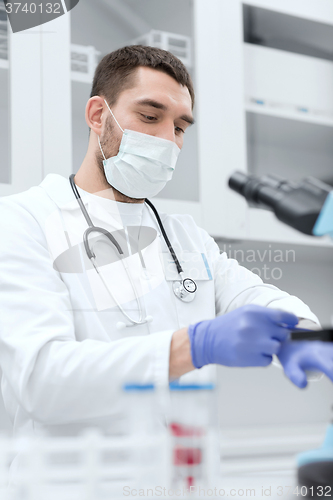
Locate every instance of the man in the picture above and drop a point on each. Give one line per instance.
(74, 328)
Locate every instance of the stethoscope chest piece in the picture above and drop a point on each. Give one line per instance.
(185, 289)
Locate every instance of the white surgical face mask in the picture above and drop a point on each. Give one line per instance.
(143, 165)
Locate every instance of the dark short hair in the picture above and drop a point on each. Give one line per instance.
(115, 72)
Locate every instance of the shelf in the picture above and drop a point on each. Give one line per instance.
(289, 148)
(287, 32)
(86, 76)
(178, 45)
(262, 225)
(289, 83)
(281, 111)
(84, 60)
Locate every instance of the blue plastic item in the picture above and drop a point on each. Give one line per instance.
(315, 468)
(176, 386)
(324, 223)
(320, 454)
(138, 387)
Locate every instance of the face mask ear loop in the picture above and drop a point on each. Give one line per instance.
(115, 119)
(100, 147)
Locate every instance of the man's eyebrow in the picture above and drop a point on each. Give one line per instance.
(188, 119)
(158, 105)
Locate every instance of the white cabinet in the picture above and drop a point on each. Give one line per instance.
(35, 106)
(5, 173)
(21, 82)
(56, 97)
(265, 105)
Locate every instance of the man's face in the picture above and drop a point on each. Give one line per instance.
(157, 105)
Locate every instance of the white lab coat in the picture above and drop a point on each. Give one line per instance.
(63, 360)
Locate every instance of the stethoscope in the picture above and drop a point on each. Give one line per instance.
(185, 289)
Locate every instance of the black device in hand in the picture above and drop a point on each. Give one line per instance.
(323, 335)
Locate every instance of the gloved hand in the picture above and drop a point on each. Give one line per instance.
(297, 357)
(247, 336)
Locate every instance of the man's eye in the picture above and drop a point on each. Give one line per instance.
(150, 118)
(178, 129)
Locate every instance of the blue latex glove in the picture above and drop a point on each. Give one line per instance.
(247, 336)
(297, 357)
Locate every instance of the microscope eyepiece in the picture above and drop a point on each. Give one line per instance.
(238, 181)
(297, 204)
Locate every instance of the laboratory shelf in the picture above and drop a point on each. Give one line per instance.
(281, 111)
(262, 225)
(273, 26)
(293, 82)
(292, 149)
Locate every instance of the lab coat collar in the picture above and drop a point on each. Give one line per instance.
(59, 190)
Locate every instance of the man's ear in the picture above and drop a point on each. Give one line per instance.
(94, 114)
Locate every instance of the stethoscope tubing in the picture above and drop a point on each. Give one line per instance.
(92, 228)
(133, 321)
(165, 236)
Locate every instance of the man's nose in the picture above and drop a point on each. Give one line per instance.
(167, 132)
